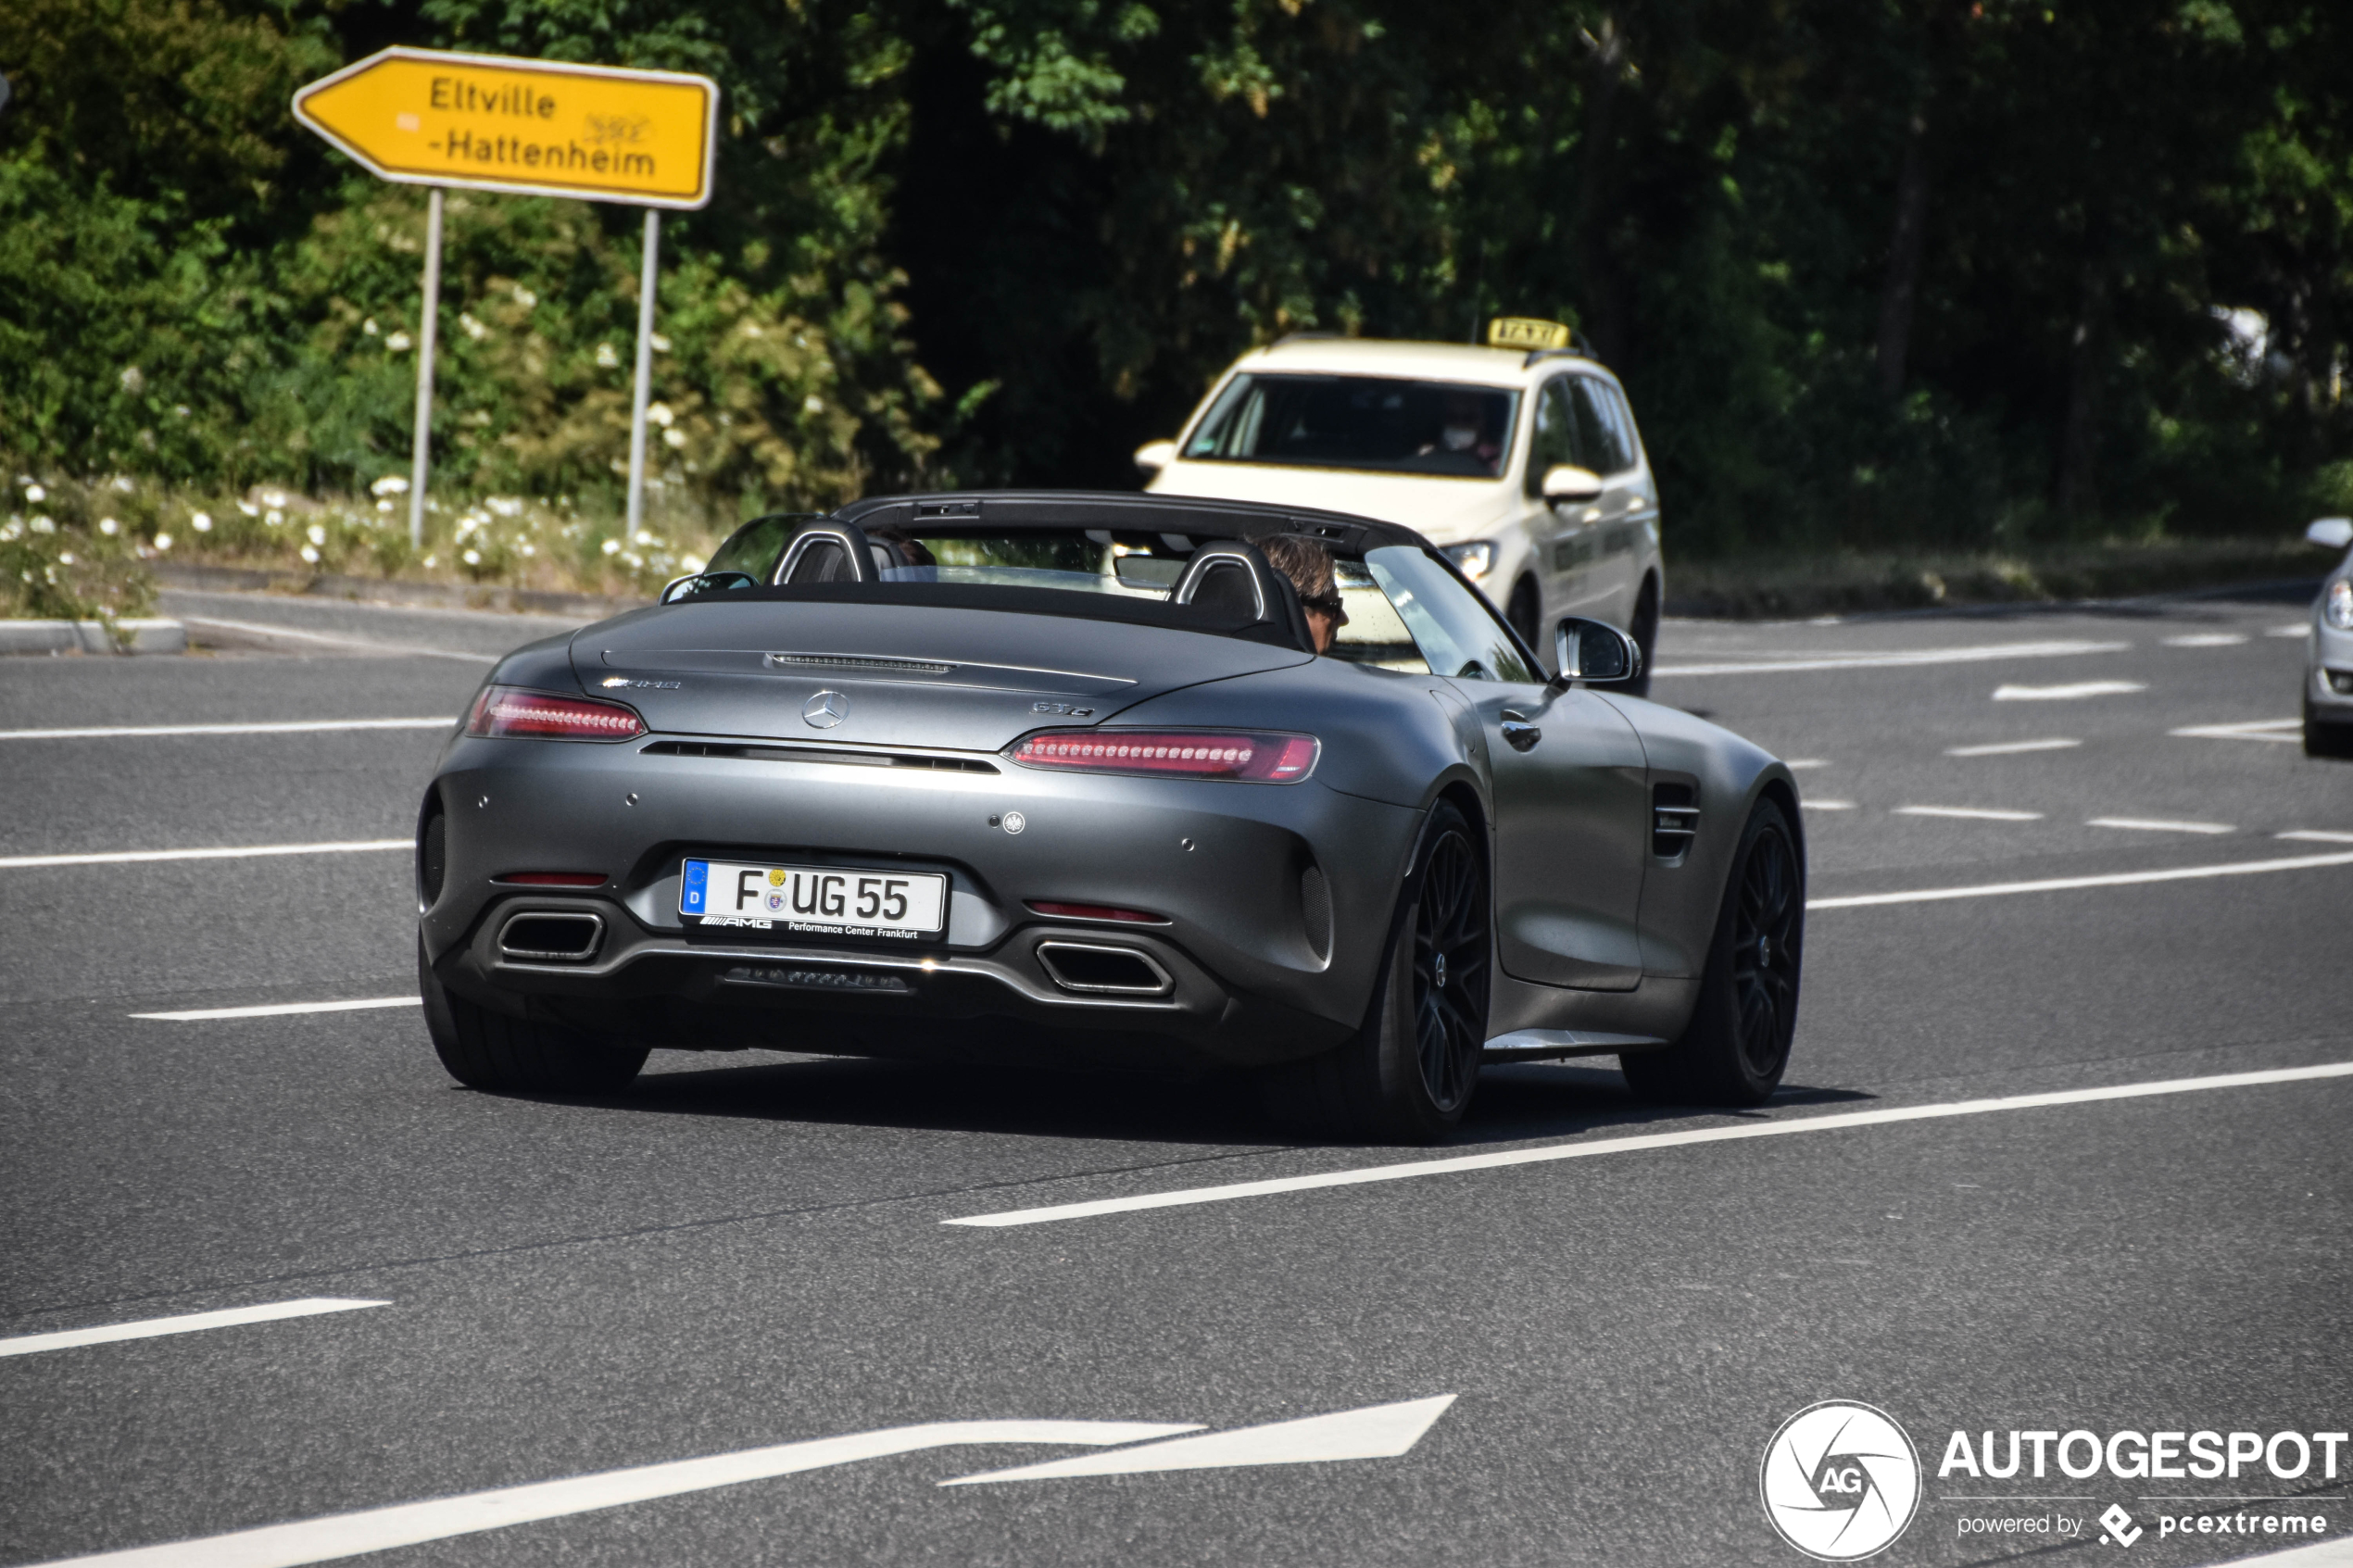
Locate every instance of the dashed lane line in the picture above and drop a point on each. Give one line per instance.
(282, 1010)
(2206, 640)
(238, 852)
(2069, 883)
(1970, 813)
(1898, 660)
(1826, 805)
(2285, 732)
(1504, 1158)
(2158, 824)
(2013, 747)
(190, 1322)
(2318, 835)
(2073, 693)
(290, 727)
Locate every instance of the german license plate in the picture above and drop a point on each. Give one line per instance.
(833, 900)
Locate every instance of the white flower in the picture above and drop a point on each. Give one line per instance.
(273, 497)
(645, 538)
(524, 297)
(384, 506)
(658, 412)
(122, 483)
(201, 523)
(108, 527)
(606, 358)
(504, 507)
(274, 518)
(65, 558)
(35, 492)
(662, 343)
(310, 555)
(472, 557)
(163, 540)
(316, 534)
(751, 329)
(11, 530)
(433, 560)
(134, 380)
(397, 343)
(633, 559)
(390, 485)
(369, 326)
(474, 329)
(612, 547)
(812, 404)
(692, 563)
(529, 548)
(179, 410)
(42, 525)
(676, 438)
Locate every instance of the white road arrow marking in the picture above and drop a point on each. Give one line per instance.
(1375, 1432)
(381, 1529)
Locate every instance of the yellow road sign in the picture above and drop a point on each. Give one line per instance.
(425, 117)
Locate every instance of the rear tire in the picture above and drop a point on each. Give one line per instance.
(503, 1055)
(1409, 1074)
(2324, 739)
(1736, 1047)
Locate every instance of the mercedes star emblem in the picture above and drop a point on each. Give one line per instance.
(826, 709)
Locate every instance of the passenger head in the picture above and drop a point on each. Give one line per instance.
(1309, 567)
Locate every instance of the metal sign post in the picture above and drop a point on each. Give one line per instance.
(489, 122)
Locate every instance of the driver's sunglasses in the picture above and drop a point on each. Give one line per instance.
(1326, 603)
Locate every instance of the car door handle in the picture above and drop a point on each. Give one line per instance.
(1518, 734)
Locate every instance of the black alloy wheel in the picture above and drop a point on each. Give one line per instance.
(1736, 1047)
(1450, 971)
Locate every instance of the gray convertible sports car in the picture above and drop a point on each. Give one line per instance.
(1059, 776)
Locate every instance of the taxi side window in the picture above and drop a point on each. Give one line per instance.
(1597, 429)
(1623, 418)
(1554, 438)
(1457, 633)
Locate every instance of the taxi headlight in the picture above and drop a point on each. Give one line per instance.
(1473, 560)
(2338, 609)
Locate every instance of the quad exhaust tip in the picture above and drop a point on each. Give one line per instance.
(1102, 970)
(548, 936)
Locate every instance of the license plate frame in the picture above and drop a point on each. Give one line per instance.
(781, 898)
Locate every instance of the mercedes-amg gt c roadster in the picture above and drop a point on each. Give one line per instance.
(1063, 777)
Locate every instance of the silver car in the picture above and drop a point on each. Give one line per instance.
(1063, 777)
(2328, 675)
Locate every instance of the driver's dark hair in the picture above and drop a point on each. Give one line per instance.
(1305, 562)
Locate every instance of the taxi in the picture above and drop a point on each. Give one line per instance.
(1519, 457)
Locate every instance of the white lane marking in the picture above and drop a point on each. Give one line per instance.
(1971, 813)
(1899, 660)
(1826, 805)
(381, 1529)
(2337, 1553)
(1376, 1432)
(190, 1322)
(2296, 631)
(2065, 884)
(2318, 835)
(2010, 747)
(2074, 692)
(2158, 824)
(284, 1009)
(290, 727)
(1407, 1169)
(2288, 731)
(239, 852)
(2207, 640)
(1794, 763)
(363, 644)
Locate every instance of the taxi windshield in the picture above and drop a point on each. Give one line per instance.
(1372, 422)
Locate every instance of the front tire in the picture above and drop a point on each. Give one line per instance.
(2324, 739)
(1409, 1074)
(1736, 1047)
(492, 1051)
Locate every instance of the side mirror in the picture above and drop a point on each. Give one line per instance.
(1566, 484)
(1594, 650)
(1154, 456)
(2331, 533)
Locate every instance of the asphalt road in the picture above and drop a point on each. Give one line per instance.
(748, 1251)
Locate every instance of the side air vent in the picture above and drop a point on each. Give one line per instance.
(1082, 966)
(1674, 818)
(1315, 910)
(545, 936)
(843, 758)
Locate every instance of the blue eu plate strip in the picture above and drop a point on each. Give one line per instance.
(698, 878)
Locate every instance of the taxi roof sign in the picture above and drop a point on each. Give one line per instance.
(424, 117)
(1526, 332)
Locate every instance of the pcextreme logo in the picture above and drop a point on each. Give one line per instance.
(1840, 1481)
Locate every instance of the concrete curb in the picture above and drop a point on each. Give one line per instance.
(387, 591)
(90, 636)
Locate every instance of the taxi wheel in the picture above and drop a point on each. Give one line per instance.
(1410, 1073)
(2324, 739)
(1736, 1047)
(492, 1051)
(1644, 630)
(1526, 613)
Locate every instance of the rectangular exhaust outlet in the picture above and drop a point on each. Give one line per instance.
(1120, 972)
(548, 936)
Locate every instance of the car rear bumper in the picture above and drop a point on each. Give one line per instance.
(1273, 904)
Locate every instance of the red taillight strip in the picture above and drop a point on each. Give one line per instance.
(1249, 756)
(553, 879)
(1096, 911)
(507, 711)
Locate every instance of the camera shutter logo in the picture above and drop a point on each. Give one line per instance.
(1840, 1481)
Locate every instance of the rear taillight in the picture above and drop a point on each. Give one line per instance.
(1251, 758)
(505, 711)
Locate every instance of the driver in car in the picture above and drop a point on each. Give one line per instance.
(1309, 567)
